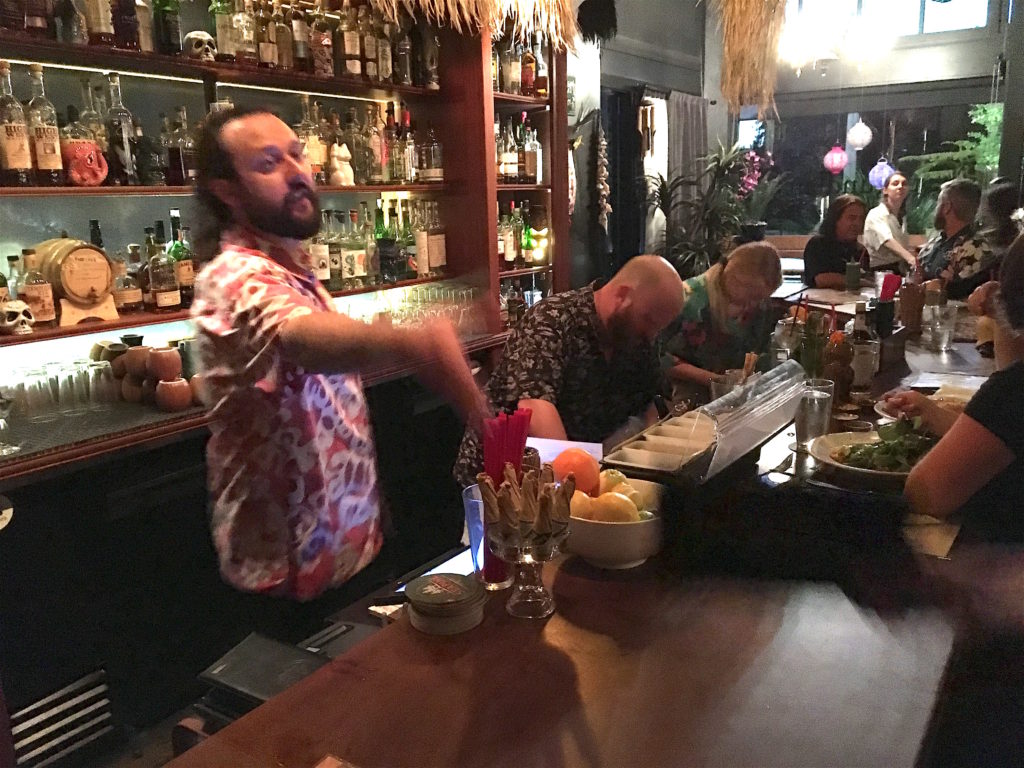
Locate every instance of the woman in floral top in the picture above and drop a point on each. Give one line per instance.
(726, 315)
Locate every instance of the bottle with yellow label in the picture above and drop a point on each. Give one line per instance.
(15, 155)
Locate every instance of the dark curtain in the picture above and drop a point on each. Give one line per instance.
(625, 167)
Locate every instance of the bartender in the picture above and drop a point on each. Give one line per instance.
(584, 361)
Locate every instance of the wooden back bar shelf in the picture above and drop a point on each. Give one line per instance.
(462, 113)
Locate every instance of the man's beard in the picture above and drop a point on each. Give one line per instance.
(940, 220)
(279, 219)
(620, 335)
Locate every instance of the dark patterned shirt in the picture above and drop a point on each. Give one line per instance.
(966, 258)
(556, 355)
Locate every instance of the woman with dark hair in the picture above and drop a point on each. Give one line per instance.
(836, 244)
(977, 469)
(998, 226)
(885, 234)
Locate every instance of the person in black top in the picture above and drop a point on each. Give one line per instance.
(976, 470)
(828, 252)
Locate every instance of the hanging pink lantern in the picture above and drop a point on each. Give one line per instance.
(880, 174)
(859, 136)
(835, 160)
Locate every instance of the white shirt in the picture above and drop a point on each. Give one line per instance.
(880, 226)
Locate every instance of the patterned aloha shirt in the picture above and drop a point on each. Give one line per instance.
(291, 458)
(695, 338)
(967, 258)
(556, 355)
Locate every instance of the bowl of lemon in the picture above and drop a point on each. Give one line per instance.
(619, 525)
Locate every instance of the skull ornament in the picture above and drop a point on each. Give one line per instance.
(15, 318)
(200, 45)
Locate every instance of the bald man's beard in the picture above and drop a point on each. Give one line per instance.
(620, 334)
(279, 219)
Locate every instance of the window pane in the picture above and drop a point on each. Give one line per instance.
(900, 17)
(955, 14)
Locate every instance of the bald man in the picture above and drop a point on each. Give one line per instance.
(584, 361)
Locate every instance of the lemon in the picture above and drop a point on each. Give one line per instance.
(613, 507)
(630, 493)
(581, 505)
(610, 478)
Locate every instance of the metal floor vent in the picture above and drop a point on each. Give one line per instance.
(63, 722)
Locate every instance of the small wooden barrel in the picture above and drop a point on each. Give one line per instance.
(78, 271)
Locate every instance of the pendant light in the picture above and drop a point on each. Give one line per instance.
(879, 175)
(835, 160)
(859, 136)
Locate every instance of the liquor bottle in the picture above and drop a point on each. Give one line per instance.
(223, 13)
(526, 242)
(431, 158)
(12, 16)
(403, 58)
(14, 276)
(345, 279)
(510, 247)
(120, 134)
(436, 243)
(395, 171)
(511, 69)
(144, 15)
(159, 236)
(385, 32)
(309, 136)
(530, 170)
(127, 294)
(321, 43)
(527, 71)
(411, 155)
(266, 37)
(167, 25)
(373, 275)
(350, 60)
(431, 58)
(95, 235)
(537, 150)
(39, 20)
(283, 38)
(5, 293)
(320, 252)
(300, 38)
(865, 350)
(162, 283)
(516, 220)
(510, 155)
(335, 251)
(375, 145)
(368, 37)
(73, 27)
(386, 235)
(15, 152)
(495, 65)
(135, 262)
(44, 135)
(36, 291)
(126, 24)
(244, 38)
(317, 147)
(520, 131)
(541, 80)
(90, 118)
(354, 269)
(421, 236)
(184, 266)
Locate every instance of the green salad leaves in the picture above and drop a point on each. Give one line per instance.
(901, 446)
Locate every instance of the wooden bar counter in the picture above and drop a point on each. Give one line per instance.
(635, 668)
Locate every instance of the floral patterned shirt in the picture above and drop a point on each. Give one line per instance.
(291, 461)
(966, 258)
(695, 339)
(556, 354)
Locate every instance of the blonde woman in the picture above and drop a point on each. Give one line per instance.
(726, 315)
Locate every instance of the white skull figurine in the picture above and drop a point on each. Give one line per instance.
(200, 45)
(15, 318)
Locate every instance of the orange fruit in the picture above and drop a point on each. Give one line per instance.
(582, 465)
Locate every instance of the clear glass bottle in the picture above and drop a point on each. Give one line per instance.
(162, 283)
(385, 32)
(149, 250)
(526, 241)
(335, 251)
(223, 13)
(510, 155)
(120, 137)
(349, 49)
(412, 159)
(167, 25)
(126, 24)
(181, 152)
(127, 294)
(44, 135)
(510, 247)
(421, 236)
(144, 15)
(373, 275)
(13, 275)
(16, 154)
(300, 38)
(266, 36)
(5, 292)
(540, 82)
(347, 267)
(355, 253)
(511, 69)
(374, 143)
(436, 243)
(406, 240)
(403, 58)
(283, 38)
(321, 43)
(431, 166)
(244, 25)
(72, 23)
(529, 170)
(90, 118)
(36, 291)
(320, 252)
(368, 38)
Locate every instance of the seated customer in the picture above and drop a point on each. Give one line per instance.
(584, 361)
(885, 233)
(726, 315)
(977, 468)
(957, 255)
(828, 252)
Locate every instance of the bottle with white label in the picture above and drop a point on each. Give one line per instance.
(436, 244)
(421, 236)
(163, 284)
(223, 12)
(36, 291)
(300, 38)
(320, 251)
(350, 48)
(127, 294)
(44, 133)
(15, 154)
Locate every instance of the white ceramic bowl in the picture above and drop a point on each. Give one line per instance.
(620, 545)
